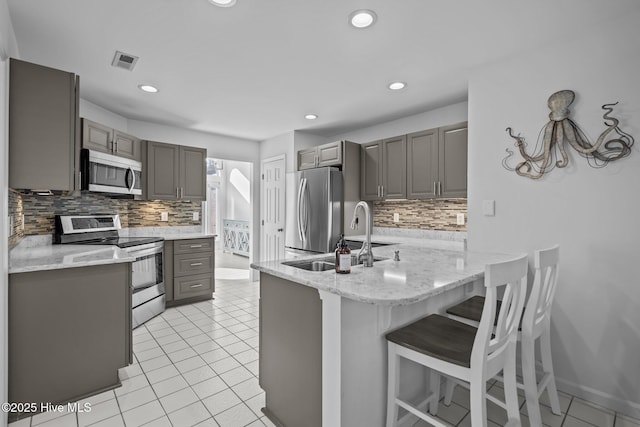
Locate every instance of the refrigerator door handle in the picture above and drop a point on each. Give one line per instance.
(305, 210)
(299, 205)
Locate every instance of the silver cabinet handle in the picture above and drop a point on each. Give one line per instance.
(195, 264)
(378, 191)
(435, 192)
(195, 246)
(198, 285)
(382, 191)
(439, 188)
(177, 192)
(115, 145)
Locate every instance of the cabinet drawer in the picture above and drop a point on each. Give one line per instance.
(193, 245)
(192, 263)
(193, 286)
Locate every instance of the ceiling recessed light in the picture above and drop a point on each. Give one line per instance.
(362, 18)
(148, 88)
(311, 116)
(223, 3)
(397, 85)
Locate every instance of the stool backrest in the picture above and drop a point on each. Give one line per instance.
(490, 345)
(538, 310)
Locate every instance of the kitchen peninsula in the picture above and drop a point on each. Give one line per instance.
(322, 346)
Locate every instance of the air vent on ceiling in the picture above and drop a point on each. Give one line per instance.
(124, 60)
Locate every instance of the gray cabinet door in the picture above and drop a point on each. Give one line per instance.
(452, 155)
(96, 136)
(193, 173)
(330, 154)
(422, 164)
(371, 170)
(126, 146)
(307, 159)
(43, 114)
(394, 168)
(163, 178)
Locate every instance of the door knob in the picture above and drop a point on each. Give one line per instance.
(280, 230)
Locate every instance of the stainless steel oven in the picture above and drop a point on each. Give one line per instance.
(107, 173)
(147, 271)
(147, 281)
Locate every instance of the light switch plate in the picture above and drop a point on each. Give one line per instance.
(460, 219)
(164, 216)
(489, 207)
(196, 216)
(396, 217)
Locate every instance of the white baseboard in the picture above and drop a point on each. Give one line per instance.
(624, 407)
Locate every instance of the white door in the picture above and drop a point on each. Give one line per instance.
(273, 188)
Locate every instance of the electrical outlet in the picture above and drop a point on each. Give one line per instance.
(460, 219)
(164, 216)
(396, 217)
(196, 216)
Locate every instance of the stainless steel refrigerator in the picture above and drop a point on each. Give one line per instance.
(314, 209)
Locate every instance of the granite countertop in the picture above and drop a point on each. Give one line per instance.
(26, 258)
(424, 270)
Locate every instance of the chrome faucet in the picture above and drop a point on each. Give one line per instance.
(365, 252)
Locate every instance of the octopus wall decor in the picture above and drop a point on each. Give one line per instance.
(550, 150)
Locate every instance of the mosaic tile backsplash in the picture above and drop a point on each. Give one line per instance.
(428, 214)
(39, 211)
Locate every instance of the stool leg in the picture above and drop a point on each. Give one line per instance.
(448, 393)
(547, 365)
(434, 385)
(478, 400)
(393, 384)
(510, 386)
(528, 358)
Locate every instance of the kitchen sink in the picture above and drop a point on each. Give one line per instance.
(357, 244)
(323, 264)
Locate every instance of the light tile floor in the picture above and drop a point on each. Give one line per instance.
(198, 365)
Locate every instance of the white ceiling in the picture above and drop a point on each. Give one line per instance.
(254, 70)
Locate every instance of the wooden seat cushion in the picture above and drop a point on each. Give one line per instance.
(439, 337)
(471, 308)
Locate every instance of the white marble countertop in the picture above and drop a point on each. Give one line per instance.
(26, 258)
(424, 270)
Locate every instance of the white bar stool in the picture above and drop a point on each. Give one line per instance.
(536, 325)
(460, 351)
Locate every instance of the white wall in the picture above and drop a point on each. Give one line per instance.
(280, 144)
(448, 115)
(302, 140)
(590, 212)
(105, 117)
(8, 48)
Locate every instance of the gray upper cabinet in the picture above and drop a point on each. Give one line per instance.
(394, 162)
(43, 128)
(175, 172)
(323, 155)
(452, 160)
(102, 138)
(422, 164)
(371, 171)
(383, 169)
(193, 173)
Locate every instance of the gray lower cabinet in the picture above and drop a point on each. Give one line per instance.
(383, 169)
(43, 128)
(189, 270)
(290, 360)
(69, 332)
(107, 140)
(175, 172)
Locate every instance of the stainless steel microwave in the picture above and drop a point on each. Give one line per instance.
(106, 173)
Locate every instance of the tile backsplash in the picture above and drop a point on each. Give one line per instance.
(39, 211)
(427, 214)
